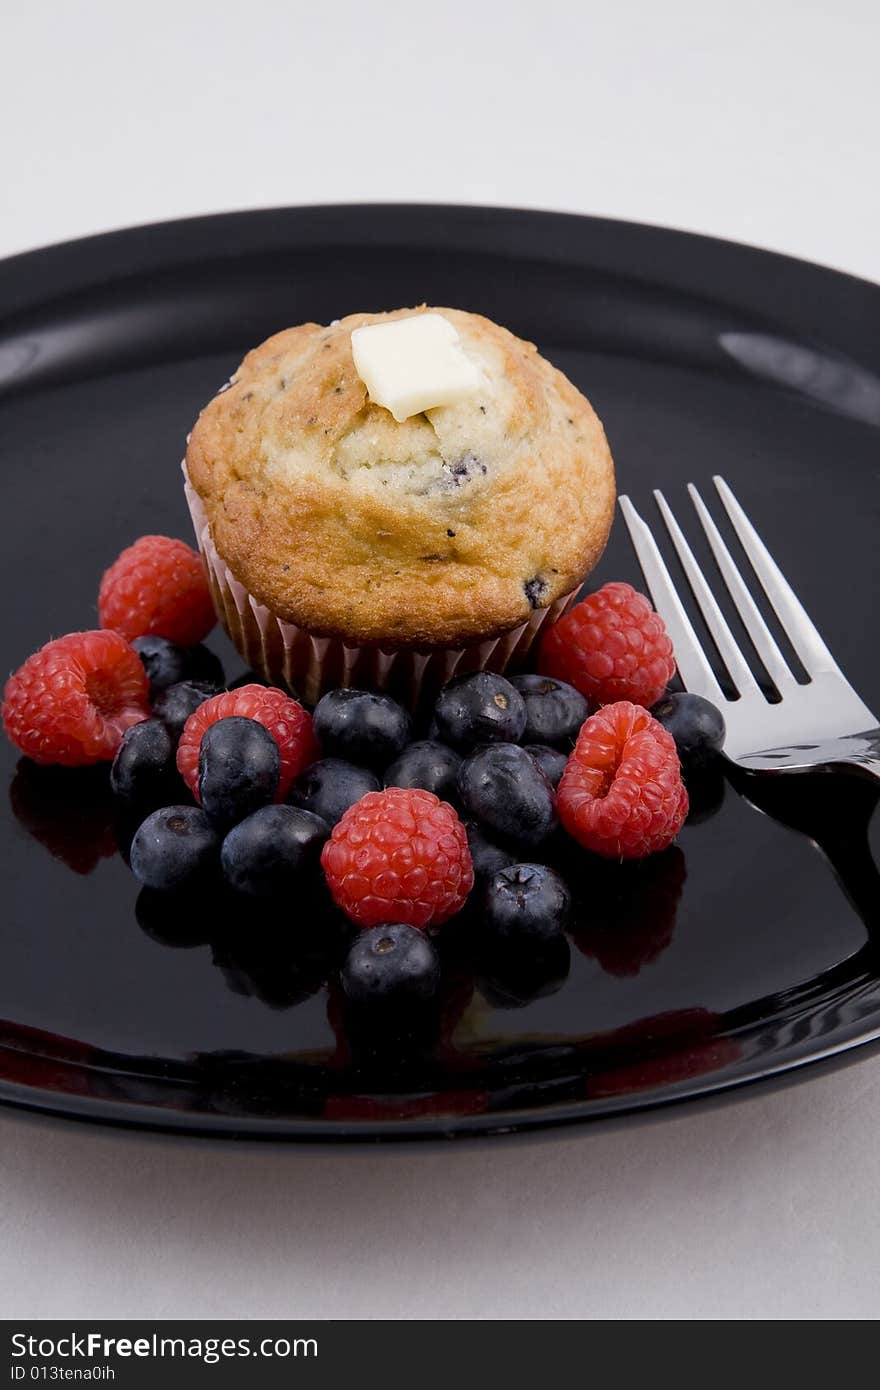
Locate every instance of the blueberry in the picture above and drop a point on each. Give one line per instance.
(394, 963)
(271, 851)
(143, 771)
(526, 902)
(534, 590)
(167, 664)
(511, 797)
(487, 857)
(361, 727)
(330, 786)
(175, 848)
(203, 665)
(164, 662)
(550, 760)
(481, 708)
(429, 765)
(554, 711)
(175, 705)
(695, 724)
(239, 766)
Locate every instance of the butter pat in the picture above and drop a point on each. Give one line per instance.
(414, 364)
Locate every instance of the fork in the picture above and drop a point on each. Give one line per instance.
(820, 725)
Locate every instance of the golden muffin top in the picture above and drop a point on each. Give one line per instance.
(446, 528)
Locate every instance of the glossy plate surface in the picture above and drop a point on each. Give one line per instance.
(737, 955)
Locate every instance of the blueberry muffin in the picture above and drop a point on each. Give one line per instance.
(347, 547)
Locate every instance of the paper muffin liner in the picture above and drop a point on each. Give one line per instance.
(287, 655)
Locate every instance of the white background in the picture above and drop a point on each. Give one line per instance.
(755, 121)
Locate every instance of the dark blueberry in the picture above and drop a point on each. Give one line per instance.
(465, 468)
(468, 466)
(164, 662)
(175, 705)
(534, 590)
(526, 902)
(695, 724)
(361, 727)
(239, 767)
(143, 771)
(175, 848)
(487, 857)
(550, 760)
(330, 786)
(393, 963)
(554, 711)
(429, 765)
(508, 794)
(203, 665)
(513, 974)
(272, 850)
(480, 708)
(167, 664)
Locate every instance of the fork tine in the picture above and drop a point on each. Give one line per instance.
(716, 622)
(799, 628)
(762, 638)
(690, 658)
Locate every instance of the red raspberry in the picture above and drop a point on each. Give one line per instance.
(157, 588)
(284, 717)
(611, 646)
(399, 856)
(621, 793)
(71, 702)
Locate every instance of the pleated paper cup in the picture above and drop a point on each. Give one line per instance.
(309, 666)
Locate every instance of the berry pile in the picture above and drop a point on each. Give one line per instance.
(397, 828)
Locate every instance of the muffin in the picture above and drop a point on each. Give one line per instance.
(347, 547)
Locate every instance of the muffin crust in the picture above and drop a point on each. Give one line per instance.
(447, 528)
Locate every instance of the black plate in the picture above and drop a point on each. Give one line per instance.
(736, 956)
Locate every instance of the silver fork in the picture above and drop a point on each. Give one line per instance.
(822, 724)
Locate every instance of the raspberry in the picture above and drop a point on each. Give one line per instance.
(621, 794)
(612, 646)
(71, 702)
(400, 855)
(285, 718)
(157, 587)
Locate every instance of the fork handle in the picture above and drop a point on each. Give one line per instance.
(834, 812)
(864, 767)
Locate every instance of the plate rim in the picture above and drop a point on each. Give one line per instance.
(203, 220)
(553, 1119)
